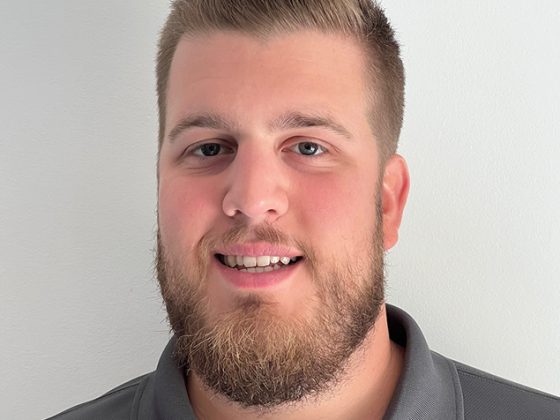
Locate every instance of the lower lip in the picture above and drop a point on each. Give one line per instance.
(246, 280)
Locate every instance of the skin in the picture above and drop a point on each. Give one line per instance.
(261, 176)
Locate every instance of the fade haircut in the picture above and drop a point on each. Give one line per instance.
(362, 20)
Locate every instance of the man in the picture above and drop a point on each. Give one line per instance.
(279, 191)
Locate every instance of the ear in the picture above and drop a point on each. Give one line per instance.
(394, 191)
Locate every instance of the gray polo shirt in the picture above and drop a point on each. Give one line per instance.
(431, 387)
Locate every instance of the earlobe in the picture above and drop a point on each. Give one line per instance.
(394, 192)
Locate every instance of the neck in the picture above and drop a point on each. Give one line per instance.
(364, 392)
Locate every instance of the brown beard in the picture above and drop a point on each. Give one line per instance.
(253, 356)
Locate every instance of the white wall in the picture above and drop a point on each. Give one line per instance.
(477, 263)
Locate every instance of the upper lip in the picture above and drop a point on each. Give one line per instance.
(259, 249)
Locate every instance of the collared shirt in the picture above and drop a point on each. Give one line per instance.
(431, 387)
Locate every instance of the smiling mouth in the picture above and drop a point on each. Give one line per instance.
(261, 264)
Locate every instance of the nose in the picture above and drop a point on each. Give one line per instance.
(256, 188)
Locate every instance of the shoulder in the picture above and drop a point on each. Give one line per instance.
(489, 396)
(116, 404)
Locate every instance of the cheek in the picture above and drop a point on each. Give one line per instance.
(339, 208)
(184, 211)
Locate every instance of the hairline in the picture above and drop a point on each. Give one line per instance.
(372, 74)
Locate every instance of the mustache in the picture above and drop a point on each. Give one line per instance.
(260, 233)
(243, 233)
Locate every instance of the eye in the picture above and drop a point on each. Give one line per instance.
(209, 150)
(309, 148)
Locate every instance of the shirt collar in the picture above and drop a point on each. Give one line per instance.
(427, 389)
(170, 399)
(429, 385)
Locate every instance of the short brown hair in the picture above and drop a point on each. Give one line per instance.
(362, 20)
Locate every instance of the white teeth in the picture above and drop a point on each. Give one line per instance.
(231, 261)
(250, 261)
(263, 261)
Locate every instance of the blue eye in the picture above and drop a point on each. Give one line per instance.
(309, 149)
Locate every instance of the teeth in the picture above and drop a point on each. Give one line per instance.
(231, 261)
(250, 261)
(261, 263)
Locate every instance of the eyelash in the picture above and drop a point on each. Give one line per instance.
(320, 148)
(196, 151)
(200, 146)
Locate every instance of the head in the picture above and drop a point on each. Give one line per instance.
(278, 127)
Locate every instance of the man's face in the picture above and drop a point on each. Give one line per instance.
(268, 153)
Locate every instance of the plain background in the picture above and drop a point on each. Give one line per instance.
(477, 263)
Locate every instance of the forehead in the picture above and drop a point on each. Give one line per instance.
(245, 75)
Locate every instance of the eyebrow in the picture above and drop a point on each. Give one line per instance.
(205, 120)
(288, 120)
(296, 119)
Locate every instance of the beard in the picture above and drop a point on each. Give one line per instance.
(252, 355)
